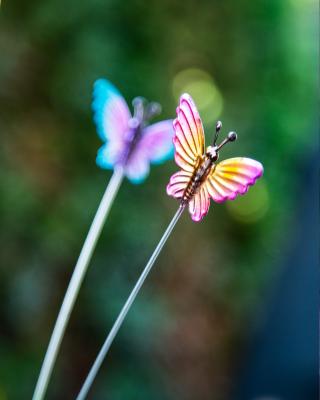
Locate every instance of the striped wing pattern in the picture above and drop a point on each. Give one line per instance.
(188, 143)
(178, 183)
(232, 177)
(189, 137)
(199, 204)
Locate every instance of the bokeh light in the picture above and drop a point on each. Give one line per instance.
(252, 64)
(201, 86)
(252, 206)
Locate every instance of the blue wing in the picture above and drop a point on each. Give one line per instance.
(111, 112)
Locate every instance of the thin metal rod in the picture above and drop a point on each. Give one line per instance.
(75, 283)
(116, 326)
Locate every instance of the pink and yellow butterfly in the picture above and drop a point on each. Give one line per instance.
(200, 177)
(129, 140)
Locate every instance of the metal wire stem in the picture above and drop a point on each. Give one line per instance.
(116, 326)
(75, 283)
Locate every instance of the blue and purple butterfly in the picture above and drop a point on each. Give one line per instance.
(130, 142)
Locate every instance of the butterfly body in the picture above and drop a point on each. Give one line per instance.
(201, 178)
(131, 140)
(198, 178)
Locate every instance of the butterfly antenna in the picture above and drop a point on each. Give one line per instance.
(218, 128)
(232, 136)
(153, 109)
(138, 106)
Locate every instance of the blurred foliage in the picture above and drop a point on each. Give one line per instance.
(253, 65)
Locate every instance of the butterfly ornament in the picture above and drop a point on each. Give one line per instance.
(130, 142)
(201, 177)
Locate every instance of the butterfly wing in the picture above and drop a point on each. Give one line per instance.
(199, 204)
(157, 141)
(232, 177)
(111, 116)
(178, 183)
(155, 146)
(111, 112)
(137, 167)
(189, 145)
(189, 136)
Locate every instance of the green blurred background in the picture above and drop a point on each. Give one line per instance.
(251, 64)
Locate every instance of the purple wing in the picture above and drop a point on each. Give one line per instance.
(111, 115)
(154, 147)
